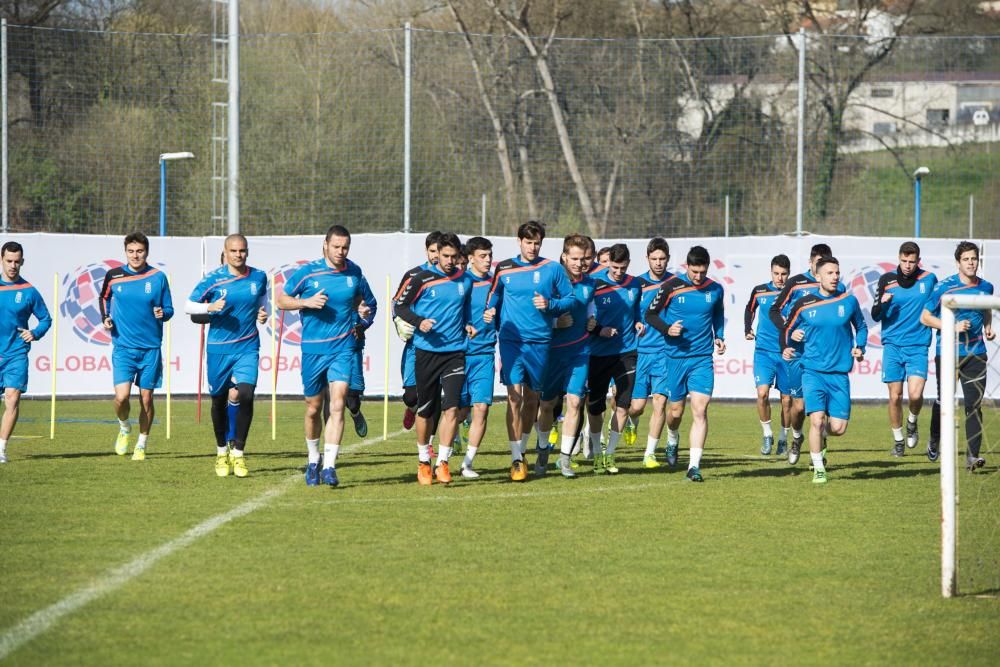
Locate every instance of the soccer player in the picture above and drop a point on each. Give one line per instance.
(437, 304)
(768, 366)
(477, 392)
(327, 292)
(613, 352)
(406, 368)
(569, 357)
(823, 322)
(795, 288)
(232, 296)
(527, 294)
(688, 311)
(971, 327)
(135, 302)
(899, 302)
(650, 370)
(19, 300)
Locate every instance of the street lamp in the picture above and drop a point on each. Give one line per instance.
(917, 176)
(164, 158)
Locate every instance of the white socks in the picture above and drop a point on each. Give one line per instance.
(141, 442)
(515, 451)
(3, 446)
(424, 453)
(470, 456)
(330, 452)
(673, 437)
(613, 438)
(567, 444)
(523, 443)
(313, 447)
(897, 434)
(443, 454)
(543, 438)
(651, 444)
(796, 434)
(911, 418)
(221, 451)
(696, 453)
(817, 460)
(784, 434)
(125, 425)
(766, 426)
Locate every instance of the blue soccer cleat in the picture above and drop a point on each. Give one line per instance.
(312, 474)
(329, 477)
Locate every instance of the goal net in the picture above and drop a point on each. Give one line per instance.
(970, 555)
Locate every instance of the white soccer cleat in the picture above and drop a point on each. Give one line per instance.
(469, 473)
(3, 458)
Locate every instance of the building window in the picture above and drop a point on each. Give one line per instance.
(937, 116)
(882, 92)
(881, 129)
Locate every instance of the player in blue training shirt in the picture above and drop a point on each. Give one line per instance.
(527, 294)
(768, 366)
(688, 311)
(480, 351)
(19, 300)
(406, 367)
(232, 296)
(613, 352)
(823, 322)
(135, 302)
(569, 356)
(437, 303)
(327, 291)
(650, 369)
(899, 301)
(795, 288)
(973, 329)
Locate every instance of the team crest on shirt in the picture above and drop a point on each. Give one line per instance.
(253, 288)
(536, 277)
(840, 311)
(350, 281)
(923, 288)
(631, 296)
(149, 287)
(461, 289)
(586, 292)
(708, 297)
(17, 298)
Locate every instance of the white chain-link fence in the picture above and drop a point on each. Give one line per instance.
(623, 138)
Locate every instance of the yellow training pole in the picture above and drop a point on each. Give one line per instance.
(55, 350)
(274, 363)
(387, 309)
(168, 368)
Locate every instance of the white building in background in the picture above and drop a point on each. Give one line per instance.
(904, 110)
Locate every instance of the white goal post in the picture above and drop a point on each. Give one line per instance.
(948, 447)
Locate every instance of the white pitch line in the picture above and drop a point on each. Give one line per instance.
(42, 620)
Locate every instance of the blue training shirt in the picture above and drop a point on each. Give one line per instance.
(233, 330)
(618, 306)
(700, 309)
(330, 329)
(128, 298)
(20, 300)
(486, 336)
(576, 336)
(761, 299)
(971, 341)
(515, 284)
(827, 322)
(651, 342)
(795, 288)
(444, 298)
(900, 316)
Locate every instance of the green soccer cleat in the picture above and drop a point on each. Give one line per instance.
(609, 464)
(222, 465)
(819, 477)
(649, 462)
(240, 466)
(139, 454)
(694, 475)
(671, 453)
(599, 468)
(121, 443)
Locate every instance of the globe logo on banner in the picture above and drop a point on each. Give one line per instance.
(289, 321)
(81, 304)
(863, 286)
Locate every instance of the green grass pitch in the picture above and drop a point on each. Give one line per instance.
(755, 566)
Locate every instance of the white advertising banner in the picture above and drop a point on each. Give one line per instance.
(83, 363)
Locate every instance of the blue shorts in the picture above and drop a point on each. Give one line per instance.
(523, 363)
(793, 369)
(318, 370)
(357, 382)
(770, 369)
(141, 367)
(902, 362)
(827, 392)
(14, 372)
(566, 372)
(650, 375)
(687, 375)
(408, 365)
(229, 370)
(479, 374)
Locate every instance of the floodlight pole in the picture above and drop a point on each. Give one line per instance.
(164, 158)
(917, 176)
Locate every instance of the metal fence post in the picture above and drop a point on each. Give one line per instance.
(3, 113)
(407, 78)
(972, 214)
(233, 211)
(800, 146)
